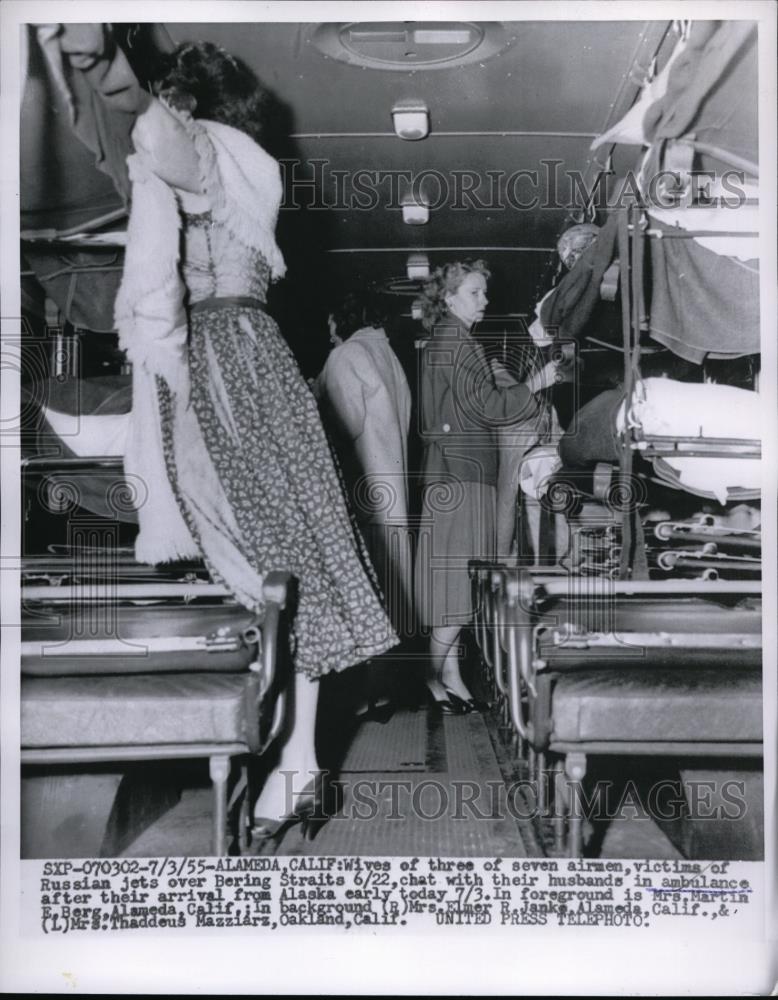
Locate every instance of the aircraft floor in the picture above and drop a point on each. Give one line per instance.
(420, 785)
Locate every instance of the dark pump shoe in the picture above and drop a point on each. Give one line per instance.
(462, 706)
(474, 705)
(452, 704)
(310, 812)
(271, 831)
(455, 705)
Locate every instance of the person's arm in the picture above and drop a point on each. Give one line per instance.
(504, 399)
(317, 385)
(167, 147)
(91, 49)
(158, 135)
(345, 392)
(552, 373)
(510, 404)
(543, 378)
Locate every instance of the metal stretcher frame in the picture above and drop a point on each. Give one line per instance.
(529, 679)
(490, 637)
(657, 446)
(632, 234)
(220, 755)
(634, 230)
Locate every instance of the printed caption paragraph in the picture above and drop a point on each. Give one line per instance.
(349, 892)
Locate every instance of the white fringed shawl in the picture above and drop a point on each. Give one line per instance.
(244, 190)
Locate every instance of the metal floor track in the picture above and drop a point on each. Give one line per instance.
(449, 807)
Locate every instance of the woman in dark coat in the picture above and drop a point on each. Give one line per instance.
(464, 401)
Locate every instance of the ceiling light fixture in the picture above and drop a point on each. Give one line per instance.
(418, 265)
(411, 119)
(415, 213)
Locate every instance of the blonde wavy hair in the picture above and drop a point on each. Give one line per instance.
(444, 281)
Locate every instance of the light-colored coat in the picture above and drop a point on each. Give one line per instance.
(367, 404)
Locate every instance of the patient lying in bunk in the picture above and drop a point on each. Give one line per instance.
(88, 416)
(691, 441)
(690, 438)
(681, 418)
(73, 434)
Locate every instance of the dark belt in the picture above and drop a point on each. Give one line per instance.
(226, 302)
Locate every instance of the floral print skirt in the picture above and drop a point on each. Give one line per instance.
(260, 425)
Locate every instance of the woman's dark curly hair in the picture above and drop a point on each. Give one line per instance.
(206, 81)
(357, 309)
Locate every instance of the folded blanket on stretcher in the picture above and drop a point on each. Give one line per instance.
(669, 409)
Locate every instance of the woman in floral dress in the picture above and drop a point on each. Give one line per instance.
(226, 433)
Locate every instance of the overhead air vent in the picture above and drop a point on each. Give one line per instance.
(408, 45)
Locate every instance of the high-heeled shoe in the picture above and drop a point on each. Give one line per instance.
(450, 705)
(470, 704)
(271, 831)
(312, 824)
(317, 803)
(462, 706)
(309, 812)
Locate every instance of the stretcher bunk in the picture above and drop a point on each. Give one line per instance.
(124, 663)
(644, 636)
(595, 667)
